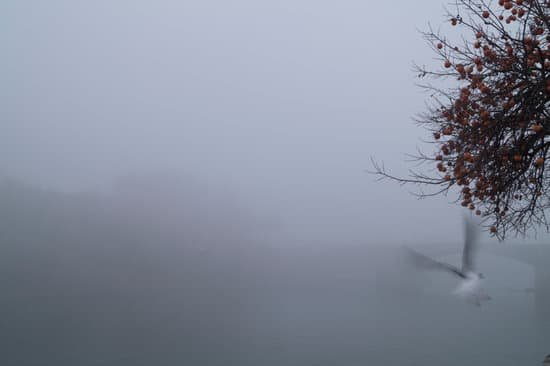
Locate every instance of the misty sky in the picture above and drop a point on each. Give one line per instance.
(281, 102)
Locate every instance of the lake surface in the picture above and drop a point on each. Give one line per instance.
(332, 306)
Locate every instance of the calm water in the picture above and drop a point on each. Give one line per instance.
(154, 312)
(78, 287)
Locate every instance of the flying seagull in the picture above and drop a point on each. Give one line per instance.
(469, 288)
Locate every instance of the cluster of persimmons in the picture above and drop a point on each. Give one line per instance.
(491, 120)
(493, 128)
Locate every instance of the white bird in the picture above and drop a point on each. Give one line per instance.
(470, 287)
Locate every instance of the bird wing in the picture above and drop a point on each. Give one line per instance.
(423, 262)
(470, 245)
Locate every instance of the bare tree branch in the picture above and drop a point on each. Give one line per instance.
(491, 131)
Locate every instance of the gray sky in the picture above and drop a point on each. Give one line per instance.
(283, 102)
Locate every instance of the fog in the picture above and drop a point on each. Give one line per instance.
(185, 182)
(284, 102)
